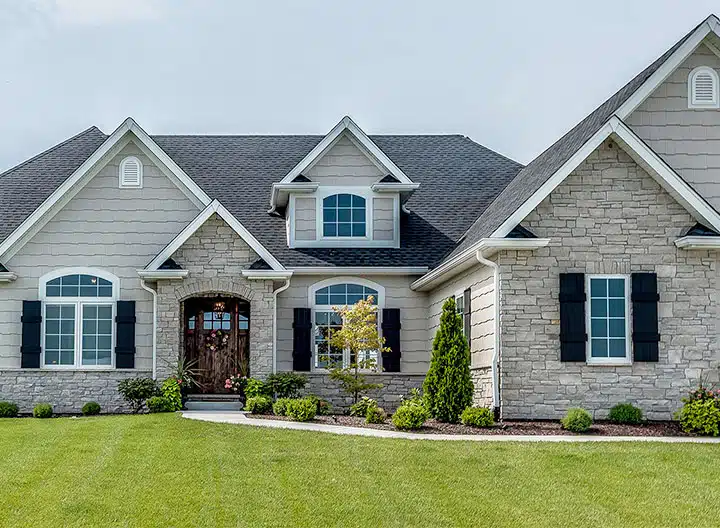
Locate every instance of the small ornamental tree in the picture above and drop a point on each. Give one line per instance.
(448, 387)
(358, 335)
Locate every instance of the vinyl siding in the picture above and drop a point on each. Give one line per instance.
(305, 218)
(687, 139)
(105, 227)
(383, 213)
(481, 281)
(344, 164)
(413, 313)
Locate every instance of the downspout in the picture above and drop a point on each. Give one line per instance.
(496, 346)
(145, 287)
(275, 298)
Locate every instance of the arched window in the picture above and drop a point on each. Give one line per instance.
(703, 88)
(344, 215)
(131, 172)
(78, 314)
(326, 295)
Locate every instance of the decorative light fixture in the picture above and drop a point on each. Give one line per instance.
(219, 306)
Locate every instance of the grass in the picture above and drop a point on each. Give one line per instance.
(162, 470)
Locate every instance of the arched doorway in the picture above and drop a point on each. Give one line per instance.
(216, 332)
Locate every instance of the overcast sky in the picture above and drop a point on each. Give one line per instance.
(511, 75)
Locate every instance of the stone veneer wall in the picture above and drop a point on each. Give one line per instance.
(483, 384)
(215, 257)
(395, 387)
(66, 390)
(609, 216)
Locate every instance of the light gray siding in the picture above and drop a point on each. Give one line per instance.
(105, 227)
(383, 214)
(413, 313)
(344, 164)
(688, 139)
(305, 218)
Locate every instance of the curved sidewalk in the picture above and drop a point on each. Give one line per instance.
(242, 419)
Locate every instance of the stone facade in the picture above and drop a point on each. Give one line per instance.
(395, 387)
(482, 381)
(66, 390)
(608, 217)
(215, 257)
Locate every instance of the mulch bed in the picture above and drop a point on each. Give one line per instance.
(504, 428)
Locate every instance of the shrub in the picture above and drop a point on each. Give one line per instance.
(43, 410)
(255, 388)
(159, 404)
(375, 415)
(361, 408)
(91, 408)
(577, 420)
(259, 405)
(136, 391)
(171, 392)
(8, 410)
(286, 384)
(448, 386)
(410, 415)
(625, 413)
(323, 407)
(477, 417)
(280, 406)
(302, 409)
(701, 416)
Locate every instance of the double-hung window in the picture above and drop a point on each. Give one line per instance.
(78, 313)
(608, 317)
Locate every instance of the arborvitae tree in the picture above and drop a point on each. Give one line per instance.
(448, 387)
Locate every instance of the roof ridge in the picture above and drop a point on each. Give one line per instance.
(49, 150)
(297, 136)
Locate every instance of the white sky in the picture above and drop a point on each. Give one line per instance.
(512, 75)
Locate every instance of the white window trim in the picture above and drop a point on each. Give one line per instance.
(608, 361)
(328, 308)
(461, 295)
(691, 91)
(78, 302)
(319, 209)
(124, 162)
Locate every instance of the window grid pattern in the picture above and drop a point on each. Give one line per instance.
(608, 302)
(60, 334)
(216, 320)
(344, 216)
(97, 335)
(326, 355)
(344, 295)
(79, 286)
(460, 310)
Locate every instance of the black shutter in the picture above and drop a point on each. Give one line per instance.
(31, 323)
(125, 344)
(573, 337)
(467, 314)
(391, 332)
(302, 330)
(645, 334)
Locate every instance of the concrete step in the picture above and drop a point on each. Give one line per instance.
(213, 397)
(206, 405)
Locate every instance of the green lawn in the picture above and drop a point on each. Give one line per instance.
(162, 470)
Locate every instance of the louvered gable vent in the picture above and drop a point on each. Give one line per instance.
(703, 85)
(131, 172)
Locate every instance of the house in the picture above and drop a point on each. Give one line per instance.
(586, 278)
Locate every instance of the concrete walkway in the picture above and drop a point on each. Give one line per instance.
(243, 419)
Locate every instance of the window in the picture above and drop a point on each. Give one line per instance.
(131, 172)
(608, 314)
(703, 88)
(325, 320)
(78, 319)
(460, 310)
(344, 215)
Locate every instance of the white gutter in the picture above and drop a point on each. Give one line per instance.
(698, 242)
(266, 274)
(7, 276)
(154, 337)
(162, 274)
(361, 270)
(275, 298)
(496, 346)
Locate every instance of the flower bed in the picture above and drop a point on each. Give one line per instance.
(505, 428)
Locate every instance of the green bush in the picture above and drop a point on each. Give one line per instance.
(477, 417)
(625, 413)
(159, 404)
(375, 415)
(302, 409)
(136, 391)
(259, 405)
(280, 406)
(91, 408)
(448, 386)
(577, 420)
(361, 408)
(323, 407)
(43, 410)
(256, 387)
(286, 384)
(8, 410)
(700, 416)
(171, 392)
(410, 415)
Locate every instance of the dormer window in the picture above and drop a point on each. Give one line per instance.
(131, 171)
(703, 88)
(344, 215)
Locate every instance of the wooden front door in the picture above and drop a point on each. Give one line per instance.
(217, 340)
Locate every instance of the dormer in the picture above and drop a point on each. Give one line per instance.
(345, 193)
